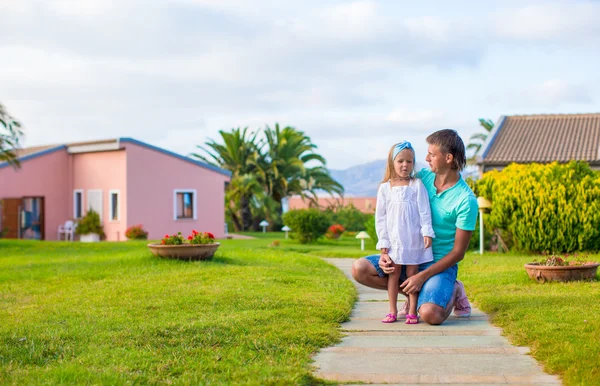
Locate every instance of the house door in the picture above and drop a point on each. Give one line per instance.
(32, 218)
(10, 217)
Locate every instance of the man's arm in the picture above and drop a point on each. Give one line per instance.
(461, 243)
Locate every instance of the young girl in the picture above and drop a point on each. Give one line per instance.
(403, 223)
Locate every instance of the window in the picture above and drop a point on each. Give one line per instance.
(95, 201)
(185, 204)
(78, 203)
(113, 199)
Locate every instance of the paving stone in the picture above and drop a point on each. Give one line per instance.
(383, 366)
(397, 340)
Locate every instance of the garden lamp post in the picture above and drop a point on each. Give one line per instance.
(286, 229)
(362, 235)
(264, 224)
(483, 204)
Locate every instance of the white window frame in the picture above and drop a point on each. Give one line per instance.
(110, 206)
(194, 204)
(75, 191)
(101, 201)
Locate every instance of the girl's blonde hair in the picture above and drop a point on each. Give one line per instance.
(390, 172)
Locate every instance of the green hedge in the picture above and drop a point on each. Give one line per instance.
(553, 207)
(307, 224)
(349, 216)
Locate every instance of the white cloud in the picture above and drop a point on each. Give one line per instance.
(555, 92)
(564, 20)
(547, 95)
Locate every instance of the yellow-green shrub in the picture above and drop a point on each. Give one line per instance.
(552, 207)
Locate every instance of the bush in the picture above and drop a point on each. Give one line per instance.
(307, 224)
(553, 207)
(90, 223)
(136, 232)
(371, 231)
(351, 218)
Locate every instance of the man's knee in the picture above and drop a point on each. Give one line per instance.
(360, 268)
(432, 314)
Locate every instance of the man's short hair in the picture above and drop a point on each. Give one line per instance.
(449, 141)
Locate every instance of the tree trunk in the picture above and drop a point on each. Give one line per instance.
(245, 213)
(235, 219)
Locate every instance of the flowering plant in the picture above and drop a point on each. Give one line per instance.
(201, 237)
(136, 232)
(334, 231)
(172, 239)
(564, 261)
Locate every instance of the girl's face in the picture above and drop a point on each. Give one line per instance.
(404, 163)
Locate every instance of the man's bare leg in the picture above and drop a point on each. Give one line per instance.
(364, 273)
(433, 314)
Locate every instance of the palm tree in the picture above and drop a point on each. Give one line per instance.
(10, 135)
(284, 170)
(239, 154)
(239, 199)
(478, 139)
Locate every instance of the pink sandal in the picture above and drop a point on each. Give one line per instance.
(389, 318)
(412, 319)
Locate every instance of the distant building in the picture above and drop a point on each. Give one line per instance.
(126, 181)
(364, 204)
(542, 139)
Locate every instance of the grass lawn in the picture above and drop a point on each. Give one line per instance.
(345, 246)
(111, 313)
(560, 322)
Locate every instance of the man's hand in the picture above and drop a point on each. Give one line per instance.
(412, 284)
(385, 263)
(427, 241)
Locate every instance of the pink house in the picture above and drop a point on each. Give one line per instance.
(127, 181)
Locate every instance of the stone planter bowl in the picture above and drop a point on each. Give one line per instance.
(184, 251)
(543, 273)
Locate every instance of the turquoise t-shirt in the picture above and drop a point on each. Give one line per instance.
(453, 208)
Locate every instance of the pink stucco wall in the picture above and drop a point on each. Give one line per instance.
(45, 176)
(105, 171)
(152, 178)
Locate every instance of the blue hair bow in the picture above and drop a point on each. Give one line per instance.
(401, 146)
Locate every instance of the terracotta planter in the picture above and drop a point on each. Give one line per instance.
(543, 273)
(184, 251)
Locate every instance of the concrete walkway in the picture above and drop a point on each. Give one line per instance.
(461, 351)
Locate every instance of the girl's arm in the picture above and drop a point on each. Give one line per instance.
(424, 210)
(380, 219)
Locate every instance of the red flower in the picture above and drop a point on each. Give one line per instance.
(167, 236)
(210, 235)
(190, 237)
(194, 232)
(162, 242)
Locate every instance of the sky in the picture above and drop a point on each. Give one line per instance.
(356, 77)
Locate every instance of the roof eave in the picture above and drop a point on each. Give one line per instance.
(35, 155)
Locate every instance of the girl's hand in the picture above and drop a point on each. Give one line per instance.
(386, 264)
(427, 241)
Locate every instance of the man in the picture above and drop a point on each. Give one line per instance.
(454, 215)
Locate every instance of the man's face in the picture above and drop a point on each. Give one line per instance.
(438, 161)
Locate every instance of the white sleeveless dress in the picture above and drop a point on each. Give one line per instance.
(402, 218)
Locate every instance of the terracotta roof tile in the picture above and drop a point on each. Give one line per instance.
(546, 138)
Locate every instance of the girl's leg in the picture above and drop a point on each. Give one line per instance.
(393, 280)
(413, 298)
